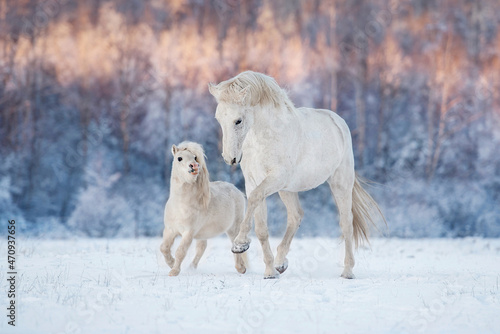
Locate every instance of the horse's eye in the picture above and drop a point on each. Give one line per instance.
(179, 159)
(238, 122)
(195, 158)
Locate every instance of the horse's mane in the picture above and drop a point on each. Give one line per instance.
(203, 181)
(251, 89)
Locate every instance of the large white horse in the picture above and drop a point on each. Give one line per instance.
(198, 209)
(286, 150)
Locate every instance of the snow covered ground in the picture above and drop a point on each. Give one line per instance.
(121, 286)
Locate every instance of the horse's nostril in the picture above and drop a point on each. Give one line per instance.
(233, 162)
(191, 165)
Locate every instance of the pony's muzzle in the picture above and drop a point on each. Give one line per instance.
(194, 169)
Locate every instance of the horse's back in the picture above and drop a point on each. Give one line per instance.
(321, 148)
(311, 118)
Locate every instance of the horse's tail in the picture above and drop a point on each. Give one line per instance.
(364, 211)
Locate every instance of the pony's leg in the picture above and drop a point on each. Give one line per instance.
(201, 245)
(341, 188)
(180, 253)
(239, 259)
(269, 186)
(166, 245)
(294, 217)
(263, 235)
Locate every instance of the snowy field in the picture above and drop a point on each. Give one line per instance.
(121, 286)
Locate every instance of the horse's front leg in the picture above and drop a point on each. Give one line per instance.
(263, 235)
(269, 186)
(180, 253)
(294, 217)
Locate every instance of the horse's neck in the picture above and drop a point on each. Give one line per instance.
(278, 120)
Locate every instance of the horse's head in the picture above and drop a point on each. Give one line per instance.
(235, 116)
(235, 122)
(238, 99)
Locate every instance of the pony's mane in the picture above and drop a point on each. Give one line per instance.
(251, 89)
(203, 181)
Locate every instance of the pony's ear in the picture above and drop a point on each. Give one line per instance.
(174, 149)
(214, 90)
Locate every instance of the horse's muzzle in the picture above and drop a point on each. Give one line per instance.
(234, 162)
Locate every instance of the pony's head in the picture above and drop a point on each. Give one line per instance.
(189, 166)
(237, 99)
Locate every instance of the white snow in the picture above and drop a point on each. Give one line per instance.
(121, 286)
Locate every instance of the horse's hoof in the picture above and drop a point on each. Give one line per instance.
(347, 275)
(237, 249)
(272, 276)
(281, 269)
(242, 270)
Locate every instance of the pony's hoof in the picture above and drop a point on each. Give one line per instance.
(174, 272)
(281, 268)
(237, 249)
(242, 270)
(347, 275)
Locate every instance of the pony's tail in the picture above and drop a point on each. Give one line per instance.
(364, 211)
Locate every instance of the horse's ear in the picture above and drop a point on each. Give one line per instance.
(212, 88)
(174, 149)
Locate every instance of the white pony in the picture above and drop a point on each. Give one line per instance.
(198, 209)
(286, 149)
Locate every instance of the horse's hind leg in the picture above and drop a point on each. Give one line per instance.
(341, 185)
(166, 245)
(239, 259)
(294, 217)
(201, 245)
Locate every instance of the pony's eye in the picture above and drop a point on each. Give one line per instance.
(195, 158)
(238, 122)
(179, 159)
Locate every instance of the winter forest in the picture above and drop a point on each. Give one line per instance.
(94, 93)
